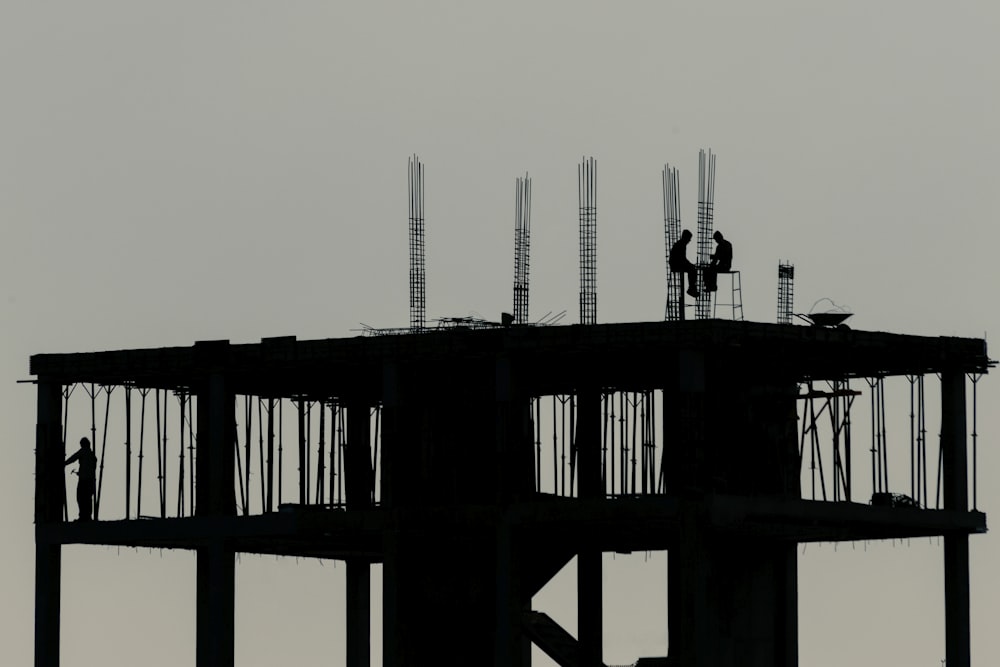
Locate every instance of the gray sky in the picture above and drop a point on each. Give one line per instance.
(180, 171)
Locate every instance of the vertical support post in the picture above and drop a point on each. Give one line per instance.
(512, 648)
(128, 452)
(215, 497)
(216, 577)
(358, 481)
(358, 613)
(50, 487)
(270, 455)
(303, 473)
(514, 480)
(956, 498)
(588, 561)
(418, 298)
(587, 199)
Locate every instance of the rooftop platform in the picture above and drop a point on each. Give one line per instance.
(629, 355)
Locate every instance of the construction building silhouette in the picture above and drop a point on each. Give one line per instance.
(473, 461)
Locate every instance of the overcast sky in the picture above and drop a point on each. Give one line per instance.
(181, 171)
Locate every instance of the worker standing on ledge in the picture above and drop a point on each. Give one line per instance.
(86, 474)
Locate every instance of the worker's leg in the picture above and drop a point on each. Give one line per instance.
(692, 281)
(711, 278)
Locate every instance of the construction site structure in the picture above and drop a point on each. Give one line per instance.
(473, 464)
(587, 196)
(786, 291)
(706, 222)
(671, 234)
(418, 280)
(522, 248)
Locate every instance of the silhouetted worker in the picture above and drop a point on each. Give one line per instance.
(86, 474)
(722, 262)
(679, 262)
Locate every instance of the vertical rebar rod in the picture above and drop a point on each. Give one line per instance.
(302, 450)
(239, 471)
(562, 446)
(416, 228)
(92, 392)
(336, 424)
(847, 441)
(613, 428)
(142, 433)
(376, 438)
(260, 453)
(706, 214)
(163, 481)
(321, 458)
(67, 391)
(835, 431)
(181, 398)
(874, 448)
(104, 444)
(522, 246)
(884, 438)
(623, 442)
(975, 377)
(536, 417)
(914, 456)
(128, 451)
(572, 444)
(159, 455)
(555, 449)
(786, 287)
(270, 455)
(341, 444)
(919, 454)
(587, 200)
(672, 234)
(248, 446)
(604, 443)
(281, 439)
(635, 424)
(192, 452)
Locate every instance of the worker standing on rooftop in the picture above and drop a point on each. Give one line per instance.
(86, 474)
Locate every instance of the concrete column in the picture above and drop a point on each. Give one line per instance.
(215, 605)
(358, 613)
(391, 656)
(513, 648)
(48, 562)
(590, 608)
(49, 491)
(588, 563)
(956, 497)
(358, 486)
(215, 471)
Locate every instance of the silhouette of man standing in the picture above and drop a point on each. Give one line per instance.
(679, 262)
(722, 261)
(86, 474)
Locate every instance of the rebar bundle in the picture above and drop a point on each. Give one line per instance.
(418, 304)
(706, 212)
(671, 234)
(522, 243)
(786, 279)
(587, 196)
